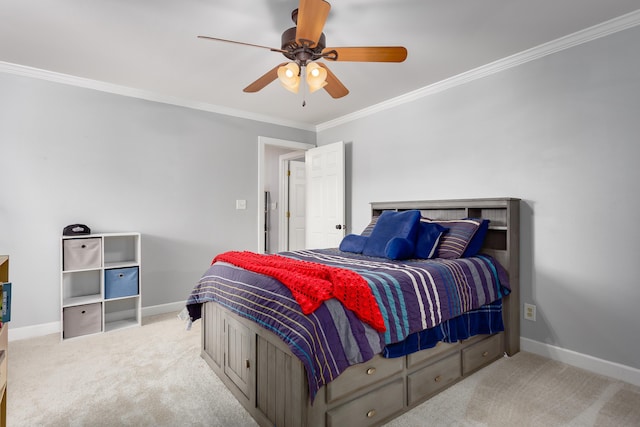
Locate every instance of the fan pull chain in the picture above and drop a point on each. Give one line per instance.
(304, 84)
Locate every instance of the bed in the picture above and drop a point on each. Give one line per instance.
(335, 366)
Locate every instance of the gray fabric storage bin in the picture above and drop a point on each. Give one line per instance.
(81, 254)
(120, 282)
(82, 320)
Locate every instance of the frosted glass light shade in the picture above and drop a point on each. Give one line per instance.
(316, 77)
(289, 76)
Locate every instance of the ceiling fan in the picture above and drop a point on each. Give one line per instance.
(305, 43)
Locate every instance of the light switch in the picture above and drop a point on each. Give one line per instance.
(241, 204)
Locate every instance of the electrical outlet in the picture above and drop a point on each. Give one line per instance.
(530, 312)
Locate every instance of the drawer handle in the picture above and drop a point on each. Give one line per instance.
(83, 246)
(121, 275)
(371, 413)
(371, 371)
(247, 363)
(485, 354)
(438, 379)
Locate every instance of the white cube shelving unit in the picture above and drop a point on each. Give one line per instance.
(100, 280)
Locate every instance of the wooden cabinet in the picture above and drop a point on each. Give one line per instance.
(4, 347)
(261, 372)
(238, 346)
(479, 354)
(371, 408)
(100, 280)
(433, 378)
(364, 375)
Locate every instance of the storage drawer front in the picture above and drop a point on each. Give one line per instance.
(432, 378)
(81, 254)
(363, 375)
(418, 357)
(120, 282)
(482, 353)
(369, 409)
(82, 320)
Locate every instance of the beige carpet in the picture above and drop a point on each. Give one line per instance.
(154, 376)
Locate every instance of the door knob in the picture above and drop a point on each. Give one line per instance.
(338, 227)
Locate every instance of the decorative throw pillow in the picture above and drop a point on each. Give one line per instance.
(391, 224)
(478, 238)
(399, 248)
(353, 243)
(454, 242)
(429, 235)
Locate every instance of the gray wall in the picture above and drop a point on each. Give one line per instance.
(562, 133)
(115, 163)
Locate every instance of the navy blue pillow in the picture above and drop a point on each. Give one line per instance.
(353, 243)
(429, 234)
(391, 224)
(478, 239)
(454, 242)
(399, 248)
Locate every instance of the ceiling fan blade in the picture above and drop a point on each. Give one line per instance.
(366, 54)
(334, 87)
(242, 43)
(312, 14)
(267, 78)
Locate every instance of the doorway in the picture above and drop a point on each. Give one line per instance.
(268, 163)
(292, 216)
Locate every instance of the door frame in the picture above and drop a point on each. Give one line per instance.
(283, 235)
(262, 142)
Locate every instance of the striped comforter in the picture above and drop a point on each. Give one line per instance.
(413, 296)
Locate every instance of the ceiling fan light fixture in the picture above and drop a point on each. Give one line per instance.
(289, 76)
(316, 77)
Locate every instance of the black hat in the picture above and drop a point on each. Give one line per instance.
(76, 229)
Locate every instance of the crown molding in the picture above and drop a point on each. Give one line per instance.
(36, 73)
(604, 29)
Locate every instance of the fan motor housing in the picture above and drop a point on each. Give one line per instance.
(301, 53)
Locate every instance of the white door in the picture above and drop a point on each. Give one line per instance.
(296, 205)
(325, 196)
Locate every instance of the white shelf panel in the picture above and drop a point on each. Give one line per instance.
(122, 264)
(81, 270)
(120, 324)
(85, 299)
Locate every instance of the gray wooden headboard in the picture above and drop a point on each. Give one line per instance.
(502, 242)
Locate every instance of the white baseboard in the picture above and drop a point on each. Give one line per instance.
(163, 308)
(583, 361)
(34, 331)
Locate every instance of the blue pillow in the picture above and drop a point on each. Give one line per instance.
(429, 234)
(353, 243)
(399, 248)
(478, 239)
(454, 242)
(391, 224)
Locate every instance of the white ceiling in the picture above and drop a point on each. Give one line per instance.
(151, 46)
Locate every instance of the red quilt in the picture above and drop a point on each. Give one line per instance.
(312, 283)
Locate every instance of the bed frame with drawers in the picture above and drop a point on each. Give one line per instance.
(264, 376)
